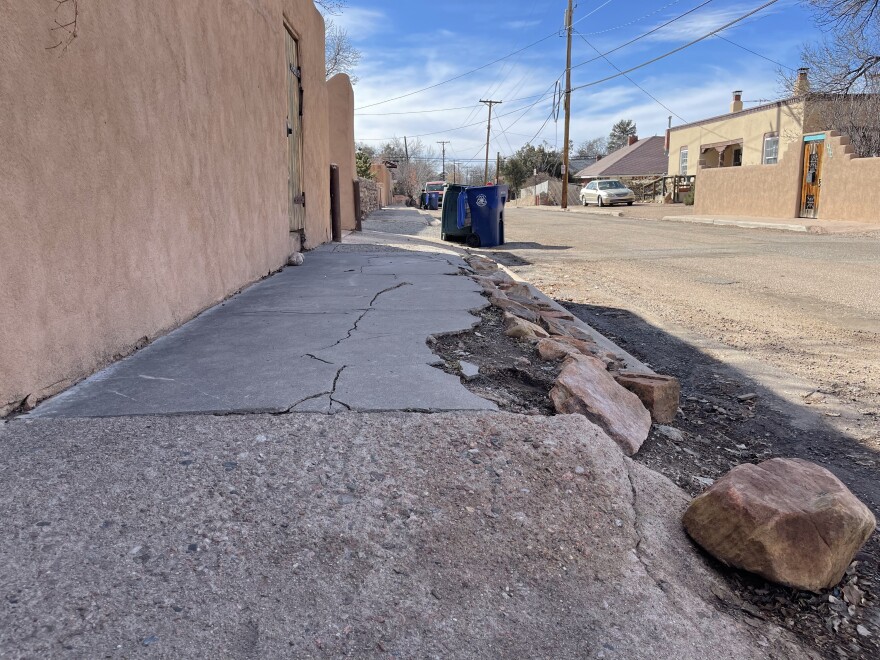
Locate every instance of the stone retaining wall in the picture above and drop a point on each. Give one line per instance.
(369, 197)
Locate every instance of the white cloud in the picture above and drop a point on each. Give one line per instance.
(359, 23)
(521, 25)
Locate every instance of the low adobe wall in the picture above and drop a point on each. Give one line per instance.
(145, 172)
(849, 184)
(761, 191)
(342, 152)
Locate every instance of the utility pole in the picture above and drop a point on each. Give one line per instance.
(406, 149)
(489, 132)
(569, 26)
(443, 144)
(498, 169)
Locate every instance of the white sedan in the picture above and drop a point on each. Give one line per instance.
(607, 193)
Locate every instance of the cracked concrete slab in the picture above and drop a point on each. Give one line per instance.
(353, 535)
(279, 345)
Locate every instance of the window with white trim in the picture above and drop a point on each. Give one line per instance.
(771, 149)
(683, 161)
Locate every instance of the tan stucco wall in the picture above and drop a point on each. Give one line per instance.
(768, 191)
(382, 175)
(749, 126)
(144, 172)
(849, 185)
(342, 152)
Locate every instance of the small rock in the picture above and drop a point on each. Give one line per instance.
(296, 259)
(747, 397)
(670, 432)
(659, 394)
(149, 641)
(522, 329)
(704, 481)
(862, 631)
(551, 350)
(788, 520)
(579, 470)
(469, 370)
(345, 498)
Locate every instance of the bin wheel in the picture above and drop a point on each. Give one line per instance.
(473, 240)
(442, 236)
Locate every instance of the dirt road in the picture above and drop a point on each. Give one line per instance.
(790, 310)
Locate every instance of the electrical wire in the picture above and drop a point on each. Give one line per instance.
(679, 49)
(485, 66)
(646, 34)
(749, 50)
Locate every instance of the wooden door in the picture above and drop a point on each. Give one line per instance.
(296, 195)
(812, 183)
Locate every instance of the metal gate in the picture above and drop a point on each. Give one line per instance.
(296, 195)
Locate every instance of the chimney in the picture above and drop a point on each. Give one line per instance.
(802, 84)
(737, 104)
(631, 140)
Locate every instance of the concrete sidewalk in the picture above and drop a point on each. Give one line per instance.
(132, 528)
(802, 225)
(345, 331)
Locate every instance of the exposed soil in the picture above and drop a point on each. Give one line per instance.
(723, 423)
(509, 374)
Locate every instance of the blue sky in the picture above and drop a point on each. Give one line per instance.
(408, 45)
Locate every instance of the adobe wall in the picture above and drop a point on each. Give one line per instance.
(342, 152)
(384, 178)
(144, 169)
(764, 191)
(849, 184)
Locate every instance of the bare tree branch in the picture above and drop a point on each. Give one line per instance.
(64, 32)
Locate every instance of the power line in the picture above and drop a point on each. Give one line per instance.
(415, 112)
(479, 68)
(635, 20)
(680, 48)
(749, 50)
(656, 100)
(646, 34)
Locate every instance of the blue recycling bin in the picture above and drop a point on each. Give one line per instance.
(434, 201)
(486, 205)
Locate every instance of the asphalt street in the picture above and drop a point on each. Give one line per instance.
(798, 313)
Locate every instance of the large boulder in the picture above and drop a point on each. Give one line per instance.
(585, 387)
(786, 519)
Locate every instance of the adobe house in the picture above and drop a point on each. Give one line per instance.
(154, 158)
(775, 160)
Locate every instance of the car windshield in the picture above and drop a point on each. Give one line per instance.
(435, 187)
(609, 185)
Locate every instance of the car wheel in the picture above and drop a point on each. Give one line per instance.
(601, 203)
(584, 201)
(629, 203)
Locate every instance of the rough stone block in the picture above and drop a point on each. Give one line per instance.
(788, 520)
(659, 394)
(585, 387)
(551, 350)
(522, 329)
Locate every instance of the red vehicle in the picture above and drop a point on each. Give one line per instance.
(434, 187)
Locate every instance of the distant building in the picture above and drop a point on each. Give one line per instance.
(640, 158)
(775, 160)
